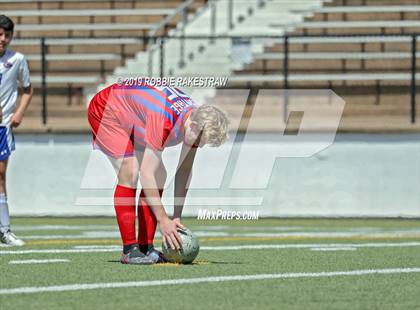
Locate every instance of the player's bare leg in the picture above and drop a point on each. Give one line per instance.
(147, 220)
(127, 170)
(6, 236)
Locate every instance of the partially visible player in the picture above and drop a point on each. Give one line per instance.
(13, 68)
(132, 126)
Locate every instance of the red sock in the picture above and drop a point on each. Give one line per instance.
(125, 208)
(147, 221)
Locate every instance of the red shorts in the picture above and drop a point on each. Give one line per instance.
(112, 133)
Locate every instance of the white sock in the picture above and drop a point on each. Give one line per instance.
(4, 214)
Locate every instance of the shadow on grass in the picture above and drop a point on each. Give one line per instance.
(196, 263)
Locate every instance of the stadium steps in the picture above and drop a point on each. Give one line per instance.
(198, 52)
(371, 74)
(203, 57)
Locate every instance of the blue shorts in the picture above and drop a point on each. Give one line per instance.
(7, 142)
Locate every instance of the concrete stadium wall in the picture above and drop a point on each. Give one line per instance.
(358, 175)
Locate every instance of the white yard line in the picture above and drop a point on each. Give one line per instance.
(38, 261)
(246, 228)
(218, 228)
(114, 248)
(56, 251)
(84, 235)
(332, 249)
(97, 247)
(305, 246)
(310, 234)
(209, 248)
(92, 286)
(62, 227)
(334, 234)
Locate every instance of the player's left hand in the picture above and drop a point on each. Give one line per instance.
(16, 120)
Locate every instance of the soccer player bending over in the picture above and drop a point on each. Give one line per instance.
(13, 68)
(132, 126)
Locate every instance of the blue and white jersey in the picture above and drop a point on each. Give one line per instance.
(178, 99)
(13, 68)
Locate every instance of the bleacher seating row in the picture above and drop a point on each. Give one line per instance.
(81, 44)
(83, 4)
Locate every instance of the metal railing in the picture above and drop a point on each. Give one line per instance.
(287, 40)
(413, 78)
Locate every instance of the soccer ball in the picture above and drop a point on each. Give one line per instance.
(189, 250)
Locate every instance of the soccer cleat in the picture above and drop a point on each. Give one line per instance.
(135, 257)
(156, 256)
(9, 239)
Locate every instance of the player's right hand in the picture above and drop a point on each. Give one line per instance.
(15, 120)
(170, 237)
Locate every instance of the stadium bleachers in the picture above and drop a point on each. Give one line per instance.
(85, 41)
(83, 4)
(345, 53)
(372, 74)
(89, 42)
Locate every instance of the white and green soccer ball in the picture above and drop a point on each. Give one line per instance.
(189, 250)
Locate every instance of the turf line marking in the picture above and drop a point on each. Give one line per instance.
(94, 246)
(113, 248)
(55, 251)
(62, 227)
(92, 286)
(211, 234)
(38, 261)
(208, 239)
(330, 249)
(77, 241)
(304, 246)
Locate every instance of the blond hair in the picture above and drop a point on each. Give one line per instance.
(213, 124)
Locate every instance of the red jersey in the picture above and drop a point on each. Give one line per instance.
(146, 115)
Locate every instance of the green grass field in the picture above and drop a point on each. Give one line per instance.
(264, 264)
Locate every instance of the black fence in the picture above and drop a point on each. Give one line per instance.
(159, 42)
